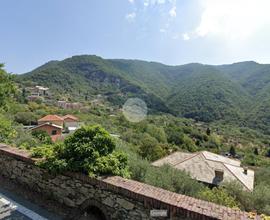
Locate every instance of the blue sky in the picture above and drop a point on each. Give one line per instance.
(169, 31)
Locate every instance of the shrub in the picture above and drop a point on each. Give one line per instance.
(26, 118)
(219, 196)
(42, 136)
(89, 150)
(7, 132)
(172, 179)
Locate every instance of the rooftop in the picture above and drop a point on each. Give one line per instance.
(47, 124)
(71, 117)
(203, 165)
(51, 118)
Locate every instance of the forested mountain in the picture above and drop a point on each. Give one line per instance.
(238, 93)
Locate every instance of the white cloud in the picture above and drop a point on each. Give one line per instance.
(131, 16)
(185, 36)
(131, 1)
(233, 19)
(172, 12)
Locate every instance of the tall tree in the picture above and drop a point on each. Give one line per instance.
(7, 88)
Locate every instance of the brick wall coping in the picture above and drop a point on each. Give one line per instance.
(152, 197)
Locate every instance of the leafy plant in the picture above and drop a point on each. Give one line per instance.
(89, 150)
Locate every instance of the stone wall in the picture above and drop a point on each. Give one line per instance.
(116, 197)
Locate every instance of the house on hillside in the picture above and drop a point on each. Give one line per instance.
(37, 92)
(55, 125)
(71, 122)
(52, 129)
(210, 168)
(53, 119)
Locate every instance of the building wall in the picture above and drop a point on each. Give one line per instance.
(71, 123)
(49, 129)
(117, 198)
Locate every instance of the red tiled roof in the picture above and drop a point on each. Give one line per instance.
(71, 117)
(51, 118)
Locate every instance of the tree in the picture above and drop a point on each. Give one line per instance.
(219, 196)
(256, 151)
(208, 131)
(7, 88)
(187, 143)
(7, 132)
(157, 133)
(25, 118)
(150, 148)
(232, 151)
(89, 150)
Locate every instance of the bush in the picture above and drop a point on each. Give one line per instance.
(172, 179)
(42, 136)
(7, 132)
(261, 198)
(150, 148)
(25, 118)
(24, 139)
(157, 133)
(219, 196)
(89, 150)
(244, 198)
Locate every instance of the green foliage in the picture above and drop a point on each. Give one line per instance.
(7, 132)
(214, 141)
(157, 133)
(150, 148)
(232, 151)
(251, 159)
(219, 196)
(89, 150)
(24, 139)
(42, 136)
(115, 163)
(172, 179)
(187, 143)
(236, 94)
(7, 88)
(261, 198)
(25, 118)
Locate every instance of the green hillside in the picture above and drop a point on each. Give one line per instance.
(237, 93)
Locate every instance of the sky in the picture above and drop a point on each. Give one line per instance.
(173, 32)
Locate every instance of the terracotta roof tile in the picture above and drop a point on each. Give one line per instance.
(71, 117)
(51, 118)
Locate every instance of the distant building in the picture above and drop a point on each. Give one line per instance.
(51, 129)
(69, 105)
(37, 92)
(71, 122)
(210, 168)
(54, 125)
(53, 119)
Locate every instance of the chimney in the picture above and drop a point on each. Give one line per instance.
(219, 174)
(245, 170)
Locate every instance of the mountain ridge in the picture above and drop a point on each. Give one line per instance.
(203, 92)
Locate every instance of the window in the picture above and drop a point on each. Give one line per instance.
(54, 132)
